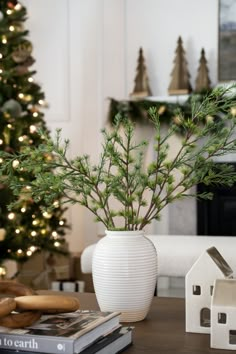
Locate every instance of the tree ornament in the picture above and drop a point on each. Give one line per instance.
(180, 84)
(2, 234)
(7, 135)
(11, 4)
(233, 111)
(23, 69)
(161, 110)
(203, 82)
(178, 120)
(1, 16)
(29, 61)
(19, 27)
(141, 88)
(22, 52)
(3, 271)
(9, 149)
(26, 98)
(12, 107)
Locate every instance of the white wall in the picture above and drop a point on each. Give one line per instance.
(86, 51)
(158, 29)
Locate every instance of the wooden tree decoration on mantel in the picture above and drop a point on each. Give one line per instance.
(203, 82)
(180, 84)
(141, 87)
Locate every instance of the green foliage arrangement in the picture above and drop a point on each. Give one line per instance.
(168, 112)
(120, 190)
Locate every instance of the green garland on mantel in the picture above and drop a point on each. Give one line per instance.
(136, 110)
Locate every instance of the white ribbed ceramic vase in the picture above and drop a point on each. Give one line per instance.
(124, 273)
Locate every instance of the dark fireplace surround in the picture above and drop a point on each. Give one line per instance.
(217, 216)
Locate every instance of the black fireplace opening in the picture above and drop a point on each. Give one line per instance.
(217, 217)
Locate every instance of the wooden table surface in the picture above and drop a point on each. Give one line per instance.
(163, 331)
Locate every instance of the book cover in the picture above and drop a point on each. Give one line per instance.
(66, 333)
(113, 343)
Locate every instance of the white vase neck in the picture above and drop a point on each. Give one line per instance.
(124, 233)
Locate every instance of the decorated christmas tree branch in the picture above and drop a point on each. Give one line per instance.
(26, 228)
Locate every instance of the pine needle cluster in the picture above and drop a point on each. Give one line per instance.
(120, 190)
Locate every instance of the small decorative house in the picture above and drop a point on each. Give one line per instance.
(223, 315)
(199, 284)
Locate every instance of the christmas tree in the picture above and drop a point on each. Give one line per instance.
(180, 83)
(29, 227)
(141, 87)
(203, 82)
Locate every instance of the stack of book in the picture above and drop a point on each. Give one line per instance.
(82, 331)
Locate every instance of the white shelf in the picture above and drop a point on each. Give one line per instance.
(170, 99)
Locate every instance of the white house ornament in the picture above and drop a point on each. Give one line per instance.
(223, 315)
(199, 284)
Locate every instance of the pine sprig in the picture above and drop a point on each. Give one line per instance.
(120, 190)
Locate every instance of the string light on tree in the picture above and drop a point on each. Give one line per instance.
(4, 40)
(47, 215)
(56, 204)
(18, 7)
(27, 98)
(11, 216)
(33, 249)
(32, 129)
(15, 163)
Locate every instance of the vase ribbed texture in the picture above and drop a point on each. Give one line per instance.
(124, 272)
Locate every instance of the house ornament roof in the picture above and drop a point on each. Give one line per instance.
(220, 262)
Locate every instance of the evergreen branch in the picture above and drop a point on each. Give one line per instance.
(119, 188)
